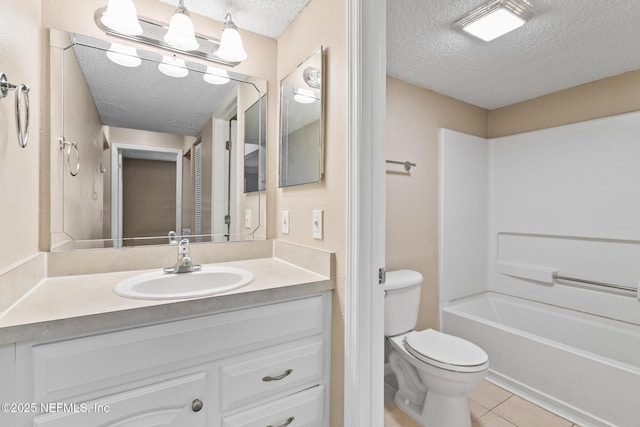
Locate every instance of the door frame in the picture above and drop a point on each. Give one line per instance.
(120, 151)
(364, 308)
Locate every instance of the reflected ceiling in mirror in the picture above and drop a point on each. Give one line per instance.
(126, 108)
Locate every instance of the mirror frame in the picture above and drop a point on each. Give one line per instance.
(299, 70)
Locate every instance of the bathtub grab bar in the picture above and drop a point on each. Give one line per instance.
(593, 282)
(548, 275)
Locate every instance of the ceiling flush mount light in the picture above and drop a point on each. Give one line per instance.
(173, 67)
(121, 16)
(496, 18)
(231, 48)
(181, 34)
(124, 55)
(216, 76)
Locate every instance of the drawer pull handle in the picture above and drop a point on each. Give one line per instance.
(196, 405)
(278, 377)
(289, 421)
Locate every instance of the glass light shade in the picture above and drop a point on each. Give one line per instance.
(305, 96)
(216, 76)
(121, 16)
(173, 67)
(124, 55)
(231, 48)
(181, 34)
(494, 24)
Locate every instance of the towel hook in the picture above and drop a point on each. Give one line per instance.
(22, 92)
(64, 143)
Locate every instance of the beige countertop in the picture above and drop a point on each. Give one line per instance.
(67, 306)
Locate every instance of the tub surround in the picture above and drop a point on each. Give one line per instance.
(82, 300)
(514, 210)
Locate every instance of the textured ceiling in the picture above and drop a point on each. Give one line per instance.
(568, 42)
(266, 17)
(144, 98)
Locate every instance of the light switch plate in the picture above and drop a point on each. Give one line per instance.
(317, 224)
(285, 222)
(247, 218)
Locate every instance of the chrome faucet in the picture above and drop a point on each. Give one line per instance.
(184, 264)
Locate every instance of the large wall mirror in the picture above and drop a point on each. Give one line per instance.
(301, 123)
(153, 146)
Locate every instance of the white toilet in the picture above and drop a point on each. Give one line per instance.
(435, 371)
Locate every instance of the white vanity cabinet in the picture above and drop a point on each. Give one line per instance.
(265, 365)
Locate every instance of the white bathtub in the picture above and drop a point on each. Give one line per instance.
(583, 367)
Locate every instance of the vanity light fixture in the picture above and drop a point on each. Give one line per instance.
(178, 36)
(181, 34)
(216, 76)
(121, 16)
(496, 18)
(173, 67)
(124, 55)
(305, 96)
(231, 48)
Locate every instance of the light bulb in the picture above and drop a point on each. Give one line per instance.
(173, 67)
(181, 34)
(216, 76)
(124, 55)
(121, 16)
(231, 48)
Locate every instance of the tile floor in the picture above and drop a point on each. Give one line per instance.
(492, 406)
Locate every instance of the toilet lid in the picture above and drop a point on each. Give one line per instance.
(445, 349)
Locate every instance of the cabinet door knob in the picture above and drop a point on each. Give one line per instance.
(289, 421)
(196, 405)
(278, 377)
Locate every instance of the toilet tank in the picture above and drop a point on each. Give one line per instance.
(401, 301)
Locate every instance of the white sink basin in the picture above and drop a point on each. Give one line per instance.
(208, 281)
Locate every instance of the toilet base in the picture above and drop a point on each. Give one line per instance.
(437, 411)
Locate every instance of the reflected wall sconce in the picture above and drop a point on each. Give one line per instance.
(173, 67)
(119, 18)
(216, 76)
(496, 18)
(124, 55)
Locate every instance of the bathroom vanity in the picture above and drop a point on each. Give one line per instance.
(255, 356)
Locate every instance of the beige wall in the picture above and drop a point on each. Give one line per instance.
(77, 201)
(602, 98)
(414, 117)
(20, 36)
(322, 22)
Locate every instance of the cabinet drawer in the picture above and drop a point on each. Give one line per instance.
(281, 369)
(110, 359)
(168, 403)
(305, 408)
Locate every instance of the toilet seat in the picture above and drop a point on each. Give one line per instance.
(446, 351)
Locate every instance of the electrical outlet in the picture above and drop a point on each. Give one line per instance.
(285, 222)
(247, 218)
(317, 225)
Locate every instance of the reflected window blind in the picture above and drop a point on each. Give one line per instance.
(197, 187)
